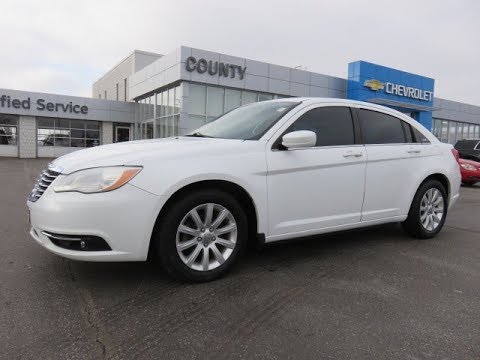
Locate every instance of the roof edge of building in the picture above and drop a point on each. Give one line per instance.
(131, 53)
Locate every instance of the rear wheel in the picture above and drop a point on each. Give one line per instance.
(428, 210)
(201, 236)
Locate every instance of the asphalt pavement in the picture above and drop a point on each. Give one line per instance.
(367, 294)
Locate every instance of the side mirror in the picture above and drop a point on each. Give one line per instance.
(299, 139)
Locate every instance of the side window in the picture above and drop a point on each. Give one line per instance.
(408, 132)
(419, 137)
(332, 124)
(380, 128)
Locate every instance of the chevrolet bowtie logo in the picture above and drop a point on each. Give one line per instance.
(374, 85)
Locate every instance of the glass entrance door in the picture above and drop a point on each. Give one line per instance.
(122, 133)
(146, 129)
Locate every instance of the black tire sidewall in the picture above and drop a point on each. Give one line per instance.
(165, 236)
(413, 224)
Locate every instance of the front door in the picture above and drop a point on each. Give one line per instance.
(323, 186)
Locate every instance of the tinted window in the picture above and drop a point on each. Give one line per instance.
(419, 137)
(466, 144)
(408, 132)
(333, 125)
(379, 128)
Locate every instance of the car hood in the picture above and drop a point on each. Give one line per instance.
(135, 152)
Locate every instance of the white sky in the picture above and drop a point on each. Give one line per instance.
(64, 46)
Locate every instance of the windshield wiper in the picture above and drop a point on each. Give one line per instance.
(197, 134)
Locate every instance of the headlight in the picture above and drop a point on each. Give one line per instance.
(97, 180)
(468, 167)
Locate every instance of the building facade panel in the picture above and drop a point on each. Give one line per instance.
(177, 93)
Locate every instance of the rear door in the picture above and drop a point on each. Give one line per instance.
(394, 164)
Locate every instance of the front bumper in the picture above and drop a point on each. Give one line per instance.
(124, 218)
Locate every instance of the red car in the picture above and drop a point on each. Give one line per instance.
(470, 171)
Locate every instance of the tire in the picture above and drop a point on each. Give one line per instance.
(414, 225)
(168, 237)
(469, 184)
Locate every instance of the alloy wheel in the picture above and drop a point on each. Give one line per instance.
(206, 237)
(431, 209)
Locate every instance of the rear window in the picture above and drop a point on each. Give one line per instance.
(380, 128)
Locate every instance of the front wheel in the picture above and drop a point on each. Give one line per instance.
(201, 236)
(428, 210)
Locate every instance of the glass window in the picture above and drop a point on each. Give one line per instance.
(437, 127)
(471, 132)
(264, 97)
(164, 103)
(67, 133)
(178, 99)
(444, 131)
(408, 132)
(197, 99)
(62, 123)
(418, 137)
(379, 128)
(46, 122)
(158, 104)
(8, 129)
(249, 97)
(77, 124)
(459, 135)
(233, 99)
(333, 125)
(196, 121)
(248, 122)
(151, 107)
(171, 101)
(477, 132)
(92, 125)
(452, 132)
(465, 131)
(215, 97)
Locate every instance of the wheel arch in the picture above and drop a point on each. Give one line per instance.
(442, 178)
(237, 191)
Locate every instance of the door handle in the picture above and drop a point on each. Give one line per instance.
(352, 154)
(414, 151)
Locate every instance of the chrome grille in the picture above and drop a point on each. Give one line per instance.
(43, 182)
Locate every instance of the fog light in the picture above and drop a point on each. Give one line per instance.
(78, 242)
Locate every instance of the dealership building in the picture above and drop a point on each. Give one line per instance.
(149, 95)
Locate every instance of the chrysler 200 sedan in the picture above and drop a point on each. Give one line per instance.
(264, 172)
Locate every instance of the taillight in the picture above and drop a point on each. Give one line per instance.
(456, 155)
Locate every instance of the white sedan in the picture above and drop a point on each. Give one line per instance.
(263, 172)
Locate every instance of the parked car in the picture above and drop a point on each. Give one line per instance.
(470, 171)
(263, 172)
(469, 149)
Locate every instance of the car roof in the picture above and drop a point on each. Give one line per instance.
(347, 102)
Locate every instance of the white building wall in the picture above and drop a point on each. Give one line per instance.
(119, 74)
(107, 132)
(27, 137)
(259, 76)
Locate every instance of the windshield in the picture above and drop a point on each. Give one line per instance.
(248, 122)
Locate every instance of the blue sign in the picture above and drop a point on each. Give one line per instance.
(398, 89)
